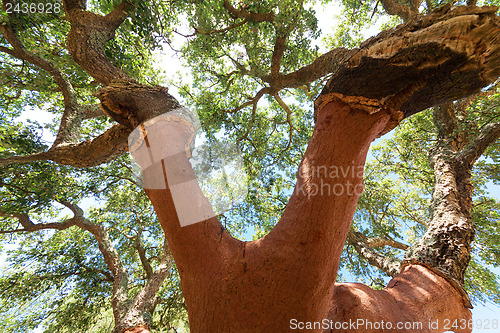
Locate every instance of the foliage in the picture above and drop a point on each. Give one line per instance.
(59, 278)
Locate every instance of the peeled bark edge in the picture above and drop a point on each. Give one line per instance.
(414, 66)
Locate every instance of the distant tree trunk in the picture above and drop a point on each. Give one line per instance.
(446, 245)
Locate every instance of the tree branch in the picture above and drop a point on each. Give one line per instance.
(146, 299)
(385, 241)
(279, 49)
(72, 117)
(116, 17)
(92, 111)
(467, 39)
(142, 255)
(101, 149)
(29, 226)
(487, 136)
(19, 51)
(232, 26)
(88, 37)
(364, 247)
(111, 257)
(325, 64)
(246, 14)
(403, 11)
(252, 101)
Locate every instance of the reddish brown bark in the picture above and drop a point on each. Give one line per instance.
(259, 286)
(417, 300)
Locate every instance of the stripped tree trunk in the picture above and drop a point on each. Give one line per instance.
(289, 276)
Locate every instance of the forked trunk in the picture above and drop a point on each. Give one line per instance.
(288, 277)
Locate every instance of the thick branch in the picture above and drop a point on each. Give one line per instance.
(88, 37)
(487, 136)
(29, 226)
(438, 58)
(279, 49)
(101, 149)
(446, 245)
(325, 64)
(92, 111)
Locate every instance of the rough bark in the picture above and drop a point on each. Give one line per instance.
(88, 37)
(131, 103)
(365, 249)
(99, 150)
(401, 10)
(446, 245)
(414, 66)
(138, 329)
(138, 315)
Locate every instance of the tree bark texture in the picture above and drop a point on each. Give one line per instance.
(414, 66)
(137, 329)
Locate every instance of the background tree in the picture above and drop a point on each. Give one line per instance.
(255, 73)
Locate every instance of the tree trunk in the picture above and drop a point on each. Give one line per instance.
(289, 275)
